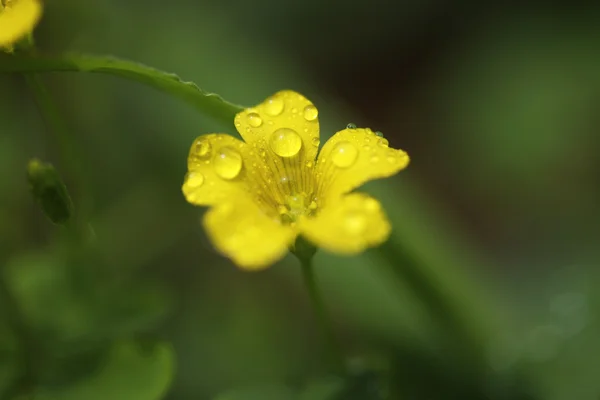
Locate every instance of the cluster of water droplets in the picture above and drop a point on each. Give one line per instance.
(290, 198)
(345, 153)
(283, 176)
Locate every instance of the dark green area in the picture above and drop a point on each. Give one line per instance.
(487, 289)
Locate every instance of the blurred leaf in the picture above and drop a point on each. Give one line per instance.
(51, 300)
(9, 371)
(325, 389)
(128, 374)
(266, 392)
(207, 103)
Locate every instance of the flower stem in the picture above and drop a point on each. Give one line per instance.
(67, 146)
(322, 316)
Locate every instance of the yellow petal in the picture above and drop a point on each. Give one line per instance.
(18, 19)
(284, 133)
(216, 169)
(352, 157)
(284, 110)
(242, 232)
(221, 167)
(348, 225)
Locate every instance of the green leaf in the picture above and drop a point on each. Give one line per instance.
(208, 103)
(323, 389)
(260, 392)
(129, 374)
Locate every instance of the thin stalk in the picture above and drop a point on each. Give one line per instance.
(322, 316)
(67, 146)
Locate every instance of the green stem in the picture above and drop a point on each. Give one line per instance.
(67, 145)
(54, 123)
(208, 103)
(322, 316)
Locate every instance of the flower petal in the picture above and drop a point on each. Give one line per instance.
(242, 232)
(283, 131)
(216, 169)
(18, 19)
(284, 110)
(352, 157)
(348, 226)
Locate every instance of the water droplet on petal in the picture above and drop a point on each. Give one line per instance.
(285, 142)
(351, 126)
(379, 133)
(203, 149)
(294, 110)
(383, 142)
(195, 180)
(254, 120)
(366, 147)
(312, 205)
(274, 106)
(315, 141)
(310, 113)
(227, 163)
(392, 159)
(374, 159)
(309, 164)
(344, 154)
(355, 222)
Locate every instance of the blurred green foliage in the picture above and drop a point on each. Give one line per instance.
(488, 288)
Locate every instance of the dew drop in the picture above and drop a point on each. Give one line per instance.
(285, 142)
(227, 163)
(383, 142)
(344, 154)
(374, 159)
(355, 222)
(274, 106)
(312, 205)
(309, 164)
(203, 149)
(366, 147)
(315, 141)
(379, 133)
(195, 180)
(310, 113)
(254, 120)
(294, 110)
(392, 159)
(351, 126)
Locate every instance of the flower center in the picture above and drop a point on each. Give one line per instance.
(295, 206)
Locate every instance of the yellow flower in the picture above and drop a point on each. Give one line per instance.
(17, 20)
(270, 188)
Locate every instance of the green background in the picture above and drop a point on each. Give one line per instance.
(488, 288)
